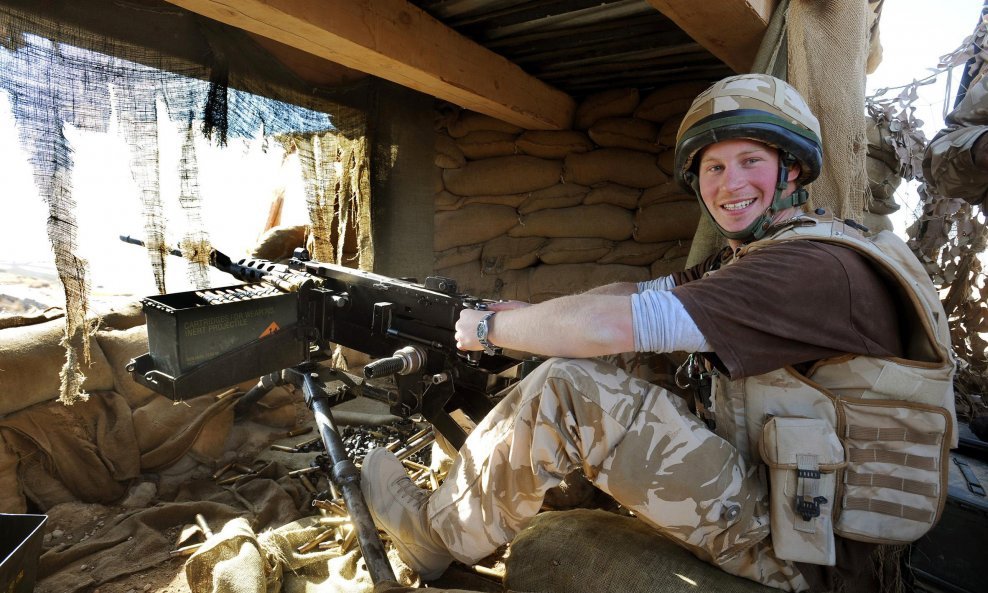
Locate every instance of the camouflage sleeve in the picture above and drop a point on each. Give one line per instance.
(949, 165)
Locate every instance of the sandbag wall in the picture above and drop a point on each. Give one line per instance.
(532, 215)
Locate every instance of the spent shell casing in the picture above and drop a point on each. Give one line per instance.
(314, 542)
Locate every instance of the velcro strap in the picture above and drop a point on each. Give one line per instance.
(885, 507)
(867, 433)
(893, 483)
(893, 457)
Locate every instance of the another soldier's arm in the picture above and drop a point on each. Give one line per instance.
(956, 161)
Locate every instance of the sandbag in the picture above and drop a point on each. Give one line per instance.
(549, 282)
(877, 223)
(448, 154)
(609, 103)
(31, 358)
(484, 144)
(595, 551)
(618, 165)
(669, 101)
(502, 175)
(600, 220)
(574, 251)
(472, 224)
(11, 494)
(458, 255)
(553, 144)
(669, 129)
(667, 161)
(561, 195)
(666, 192)
(883, 181)
(471, 121)
(664, 267)
(510, 284)
(625, 132)
(279, 242)
(667, 222)
(614, 194)
(120, 347)
(633, 253)
(447, 201)
(510, 253)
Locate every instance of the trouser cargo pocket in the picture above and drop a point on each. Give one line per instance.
(803, 456)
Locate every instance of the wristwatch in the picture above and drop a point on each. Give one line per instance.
(483, 330)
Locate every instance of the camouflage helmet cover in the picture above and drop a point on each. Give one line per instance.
(755, 107)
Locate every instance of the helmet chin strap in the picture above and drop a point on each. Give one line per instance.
(757, 229)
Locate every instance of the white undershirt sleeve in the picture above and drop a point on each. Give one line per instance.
(660, 283)
(661, 324)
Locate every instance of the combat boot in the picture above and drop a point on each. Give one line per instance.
(399, 509)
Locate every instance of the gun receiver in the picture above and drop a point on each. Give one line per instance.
(291, 314)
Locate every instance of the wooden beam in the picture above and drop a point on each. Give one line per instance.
(730, 29)
(397, 41)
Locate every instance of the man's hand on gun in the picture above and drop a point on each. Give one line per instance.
(466, 325)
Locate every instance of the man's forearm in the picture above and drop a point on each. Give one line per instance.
(615, 289)
(577, 326)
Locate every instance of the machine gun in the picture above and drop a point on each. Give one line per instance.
(284, 321)
(291, 314)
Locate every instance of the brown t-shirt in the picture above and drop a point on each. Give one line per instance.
(789, 304)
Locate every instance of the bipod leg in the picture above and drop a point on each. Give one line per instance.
(346, 476)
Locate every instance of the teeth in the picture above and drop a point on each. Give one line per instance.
(738, 205)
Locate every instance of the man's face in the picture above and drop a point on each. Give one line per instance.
(737, 181)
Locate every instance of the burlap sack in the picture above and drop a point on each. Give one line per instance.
(458, 255)
(549, 282)
(32, 317)
(667, 222)
(510, 253)
(485, 144)
(11, 494)
(881, 142)
(664, 267)
(625, 132)
(600, 220)
(448, 154)
(669, 129)
(510, 284)
(502, 175)
(553, 144)
(561, 195)
(472, 224)
(574, 251)
(471, 121)
(678, 249)
(447, 201)
(633, 253)
(618, 165)
(279, 242)
(609, 103)
(120, 347)
(31, 358)
(594, 551)
(166, 430)
(667, 161)
(660, 194)
(614, 194)
(669, 101)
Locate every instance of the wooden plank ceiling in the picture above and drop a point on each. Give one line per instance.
(527, 62)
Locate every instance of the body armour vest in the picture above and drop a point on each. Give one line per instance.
(856, 446)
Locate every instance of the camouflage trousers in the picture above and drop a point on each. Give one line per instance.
(632, 439)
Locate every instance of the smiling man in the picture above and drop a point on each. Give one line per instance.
(796, 326)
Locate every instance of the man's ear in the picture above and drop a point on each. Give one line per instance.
(794, 171)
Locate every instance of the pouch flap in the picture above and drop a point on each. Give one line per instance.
(784, 440)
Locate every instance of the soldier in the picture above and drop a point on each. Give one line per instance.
(956, 161)
(803, 323)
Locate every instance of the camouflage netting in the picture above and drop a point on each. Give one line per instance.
(59, 75)
(949, 235)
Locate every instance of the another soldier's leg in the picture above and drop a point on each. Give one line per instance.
(633, 439)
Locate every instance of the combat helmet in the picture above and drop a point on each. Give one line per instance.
(753, 107)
